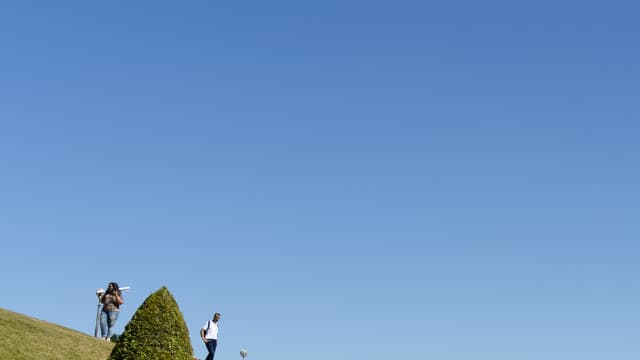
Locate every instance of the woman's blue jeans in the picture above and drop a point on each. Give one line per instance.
(107, 322)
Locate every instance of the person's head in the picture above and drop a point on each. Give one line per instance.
(216, 317)
(113, 287)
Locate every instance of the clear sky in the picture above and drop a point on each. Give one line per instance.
(451, 180)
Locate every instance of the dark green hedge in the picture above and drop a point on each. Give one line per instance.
(157, 331)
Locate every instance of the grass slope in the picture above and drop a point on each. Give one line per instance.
(23, 337)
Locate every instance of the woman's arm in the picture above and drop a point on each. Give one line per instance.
(119, 298)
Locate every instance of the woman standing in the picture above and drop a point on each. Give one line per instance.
(111, 301)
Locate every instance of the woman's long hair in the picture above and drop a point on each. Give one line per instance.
(116, 288)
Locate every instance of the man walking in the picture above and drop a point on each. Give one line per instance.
(209, 334)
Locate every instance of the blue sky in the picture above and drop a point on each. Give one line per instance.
(340, 179)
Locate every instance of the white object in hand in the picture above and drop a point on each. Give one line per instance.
(100, 291)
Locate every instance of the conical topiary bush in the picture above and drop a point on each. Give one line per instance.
(157, 331)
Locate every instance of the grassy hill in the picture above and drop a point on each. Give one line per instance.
(23, 337)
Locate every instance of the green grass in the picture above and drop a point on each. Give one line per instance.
(23, 337)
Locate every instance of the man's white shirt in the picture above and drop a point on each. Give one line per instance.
(212, 333)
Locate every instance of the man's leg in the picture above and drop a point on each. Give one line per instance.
(211, 348)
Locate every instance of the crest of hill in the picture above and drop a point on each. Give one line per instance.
(24, 337)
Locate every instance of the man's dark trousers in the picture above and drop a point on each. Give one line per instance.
(211, 348)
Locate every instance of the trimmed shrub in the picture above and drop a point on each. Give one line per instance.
(115, 338)
(157, 331)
